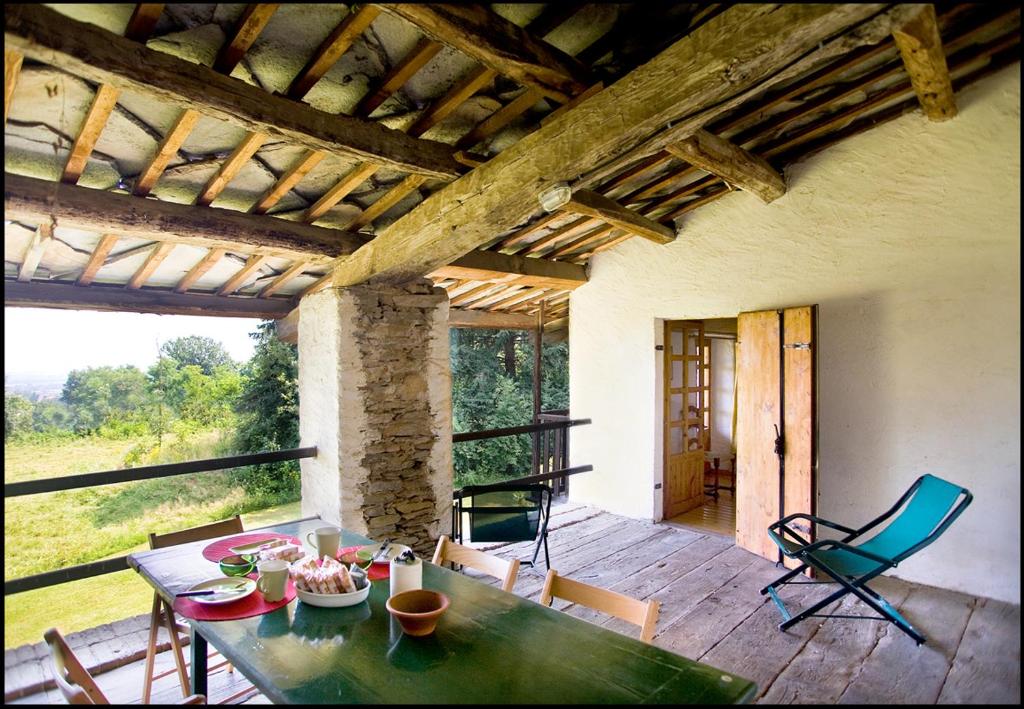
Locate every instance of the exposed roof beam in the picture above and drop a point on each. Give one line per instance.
(294, 270)
(920, 46)
(101, 56)
(243, 275)
(598, 206)
(250, 25)
(400, 73)
(143, 20)
(512, 270)
(12, 67)
(230, 168)
(97, 259)
(117, 299)
(95, 120)
(457, 317)
(196, 272)
(38, 201)
(167, 149)
(732, 163)
(683, 84)
(155, 258)
(508, 49)
(34, 253)
(331, 49)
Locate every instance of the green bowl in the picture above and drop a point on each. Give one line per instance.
(237, 565)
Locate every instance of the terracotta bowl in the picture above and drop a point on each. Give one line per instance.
(418, 611)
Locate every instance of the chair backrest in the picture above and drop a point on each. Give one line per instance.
(641, 613)
(505, 512)
(73, 680)
(502, 569)
(194, 534)
(931, 506)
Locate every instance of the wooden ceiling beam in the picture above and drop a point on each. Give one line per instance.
(12, 67)
(100, 56)
(480, 33)
(561, 233)
(458, 317)
(37, 201)
(97, 259)
(386, 201)
(243, 275)
(593, 204)
(732, 163)
(344, 186)
(294, 270)
(585, 240)
(199, 270)
(682, 84)
(503, 268)
(155, 258)
(289, 179)
(920, 47)
(254, 18)
(400, 73)
(34, 253)
(230, 168)
(143, 20)
(166, 150)
(331, 49)
(99, 112)
(162, 302)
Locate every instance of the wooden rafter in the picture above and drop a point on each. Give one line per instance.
(597, 205)
(387, 201)
(920, 46)
(732, 163)
(500, 118)
(149, 300)
(97, 259)
(143, 20)
(104, 57)
(585, 240)
(95, 120)
(404, 70)
(497, 296)
(166, 150)
(12, 67)
(254, 18)
(199, 270)
(37, 246)
(490, 266)
(680, 84)
(230, 168)
(477, 293)
(508, 49)
(459, 317)
(288, 180)
(345, 185)
(518, 297)
(561, 233)
(331, 49)
(155, 258)
(36, 201)
(294, 270)
(243, 275)
(459, 94)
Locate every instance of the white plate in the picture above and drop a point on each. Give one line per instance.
(251, 547)
(393, 551)
(234, 588)
(333, 600)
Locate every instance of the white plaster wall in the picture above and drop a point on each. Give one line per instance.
(908, 238)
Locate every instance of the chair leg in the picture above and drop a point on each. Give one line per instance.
(154, 626)
(785, 625)
(179, 658)
(882, 606)
(784, 578)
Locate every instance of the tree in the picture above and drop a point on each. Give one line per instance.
(203, 352)
(17, 416)
(268, 410)
(103, 395)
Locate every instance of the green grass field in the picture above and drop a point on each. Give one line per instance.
(53, 530)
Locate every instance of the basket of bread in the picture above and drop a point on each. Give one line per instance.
(328, 583)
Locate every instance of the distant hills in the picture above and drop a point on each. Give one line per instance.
(35, 386)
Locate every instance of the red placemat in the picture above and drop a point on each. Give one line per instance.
(374, 573)
(222, 548)
(251, 605)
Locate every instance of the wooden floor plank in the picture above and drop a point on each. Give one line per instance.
(823, 669)
(986, 669)
(898, 668)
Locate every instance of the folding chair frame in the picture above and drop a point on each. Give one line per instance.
(803, 550)
(542, 528)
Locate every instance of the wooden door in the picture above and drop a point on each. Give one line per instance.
(684, 416)
(775, 395)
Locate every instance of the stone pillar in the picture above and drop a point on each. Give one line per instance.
(375, 399)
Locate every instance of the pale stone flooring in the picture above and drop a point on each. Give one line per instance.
(711, 611)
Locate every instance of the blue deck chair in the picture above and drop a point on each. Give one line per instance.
(931, 505)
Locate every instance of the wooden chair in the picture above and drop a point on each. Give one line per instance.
(501, 569)
(641, 613)
(163, 613)
(74, 681)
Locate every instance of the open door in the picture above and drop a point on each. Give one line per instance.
(684, 416)
(775, 423)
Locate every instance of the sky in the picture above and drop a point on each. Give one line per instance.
(47, 341)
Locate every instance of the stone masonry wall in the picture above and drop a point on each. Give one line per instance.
(392, 381)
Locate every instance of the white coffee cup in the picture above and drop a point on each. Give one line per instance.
(327, 541)
(273, 579)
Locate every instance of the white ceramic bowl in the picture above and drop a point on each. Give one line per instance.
(333, 600)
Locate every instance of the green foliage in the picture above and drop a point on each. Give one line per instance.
(99, 395)
(203, 352)
(51, 417)
(268, 411)
(17, 416)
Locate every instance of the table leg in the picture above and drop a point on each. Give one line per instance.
(198, 649)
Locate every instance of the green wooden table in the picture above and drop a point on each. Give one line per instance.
(490, 647)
